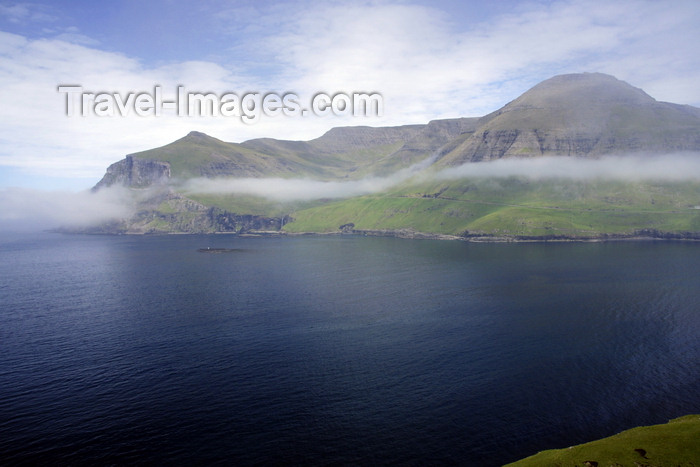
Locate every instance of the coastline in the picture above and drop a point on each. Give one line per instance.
(481, 238)
(637, 236)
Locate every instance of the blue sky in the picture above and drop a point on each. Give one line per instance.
(428, 59)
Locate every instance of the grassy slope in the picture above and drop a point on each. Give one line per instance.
(246, 204)
(676, 443)
(515, 207)
(348, 164)
(188, 156)
(376, 160)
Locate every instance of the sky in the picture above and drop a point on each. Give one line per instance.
(427, 59)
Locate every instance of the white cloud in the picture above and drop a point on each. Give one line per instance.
(427, 65)
(27, 12)
(39, 136)
(14, 13)
(280, 189)
(673, 167)
(27, 209)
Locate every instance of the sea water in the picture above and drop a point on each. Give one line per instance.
(337, 350)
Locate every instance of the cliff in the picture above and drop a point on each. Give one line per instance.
(135, 173)
(582, 115)
(587, 115)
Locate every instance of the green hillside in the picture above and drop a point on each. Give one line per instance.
(200, 155)
(576, 116)
(674, 444)
(341, 153)
(515, 207)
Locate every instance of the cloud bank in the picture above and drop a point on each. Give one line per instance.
(429, 62)
(668, 168)
(295, 189)
(24, 209)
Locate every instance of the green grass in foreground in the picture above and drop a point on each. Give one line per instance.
(676, 443)
(515, 207)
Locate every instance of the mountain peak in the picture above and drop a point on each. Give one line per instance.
(580, 114)
(582, 89)
(583, 115)
(198, 136)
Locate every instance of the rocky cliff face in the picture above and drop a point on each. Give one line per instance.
(135, 173)
(200, 219)
(434, 140)
(583, 115)
(162, 211)
(578, 115)
(345, 139)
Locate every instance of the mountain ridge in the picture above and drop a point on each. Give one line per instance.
(581, 115)
(588, 115)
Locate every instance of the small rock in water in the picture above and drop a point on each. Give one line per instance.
(218, 250)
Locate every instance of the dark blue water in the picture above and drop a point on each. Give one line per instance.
(121, 350)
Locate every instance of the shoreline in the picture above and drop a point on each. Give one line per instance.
(479, 238)
(637, 236)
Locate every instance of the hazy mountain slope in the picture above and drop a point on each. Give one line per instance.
(345, 152)
(434, 140)
(583, 115)
(342, 152)
(587, 114)
(200, 155)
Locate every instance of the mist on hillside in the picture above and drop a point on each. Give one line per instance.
(666, 168)
(298, 189)
(23, 209)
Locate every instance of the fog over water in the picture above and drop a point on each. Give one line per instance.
(27, 209)
(23, 209)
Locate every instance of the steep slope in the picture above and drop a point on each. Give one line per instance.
(342, 152)
(200, 155)
(584, 115)
(135, 173)
(349, 152)
(515, 208)
(435, 139)
(671, 444)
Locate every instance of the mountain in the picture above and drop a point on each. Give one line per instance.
(584, 115)
(340, 153)
(587, 115)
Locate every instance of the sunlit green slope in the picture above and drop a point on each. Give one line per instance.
(516, 207)
(674, 444)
